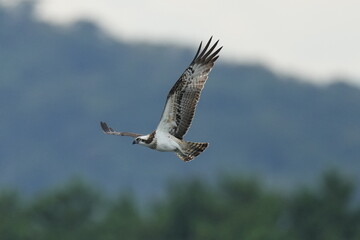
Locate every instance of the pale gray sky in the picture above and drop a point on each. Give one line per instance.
(314, 38)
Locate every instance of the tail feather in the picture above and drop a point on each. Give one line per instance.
(191, 150)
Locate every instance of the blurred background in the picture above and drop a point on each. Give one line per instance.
(281, 111)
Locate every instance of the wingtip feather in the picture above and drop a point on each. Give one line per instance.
(104, 127)
(204, 55)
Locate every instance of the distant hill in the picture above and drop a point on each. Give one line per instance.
(58, 83)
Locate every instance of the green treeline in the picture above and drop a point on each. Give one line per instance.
(232, 209)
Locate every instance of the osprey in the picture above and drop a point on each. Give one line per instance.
(179, 109)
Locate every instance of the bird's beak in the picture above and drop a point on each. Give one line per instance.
(135, 142)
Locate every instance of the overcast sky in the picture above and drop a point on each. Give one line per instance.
(314, 38)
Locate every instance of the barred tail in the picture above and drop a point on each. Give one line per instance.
(191, 150)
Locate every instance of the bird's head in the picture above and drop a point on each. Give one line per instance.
(141, 140)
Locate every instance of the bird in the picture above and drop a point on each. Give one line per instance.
(179, 109)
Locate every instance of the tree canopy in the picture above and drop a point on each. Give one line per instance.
(233, 208)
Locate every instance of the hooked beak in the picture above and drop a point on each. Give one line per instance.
(136, 141)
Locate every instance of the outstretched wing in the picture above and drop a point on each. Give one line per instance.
(184, 95)
(110, 131)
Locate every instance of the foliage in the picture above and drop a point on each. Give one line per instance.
(232, 209)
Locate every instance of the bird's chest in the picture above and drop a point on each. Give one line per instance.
(166, 143)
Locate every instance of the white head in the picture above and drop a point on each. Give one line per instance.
(142, 140)
(146, 140)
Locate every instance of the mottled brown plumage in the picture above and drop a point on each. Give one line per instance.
(184, 95)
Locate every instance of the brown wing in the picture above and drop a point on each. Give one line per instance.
(184, 95)
(110, 131)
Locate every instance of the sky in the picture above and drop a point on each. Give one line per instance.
(315, 39)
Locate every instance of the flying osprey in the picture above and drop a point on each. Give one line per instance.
(179, 109)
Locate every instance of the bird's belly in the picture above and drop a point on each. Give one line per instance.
(166, 144)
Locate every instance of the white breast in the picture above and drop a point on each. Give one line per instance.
(166, 142)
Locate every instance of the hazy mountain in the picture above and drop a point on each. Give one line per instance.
(58, 83)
